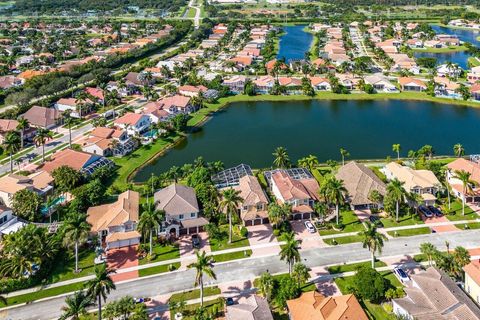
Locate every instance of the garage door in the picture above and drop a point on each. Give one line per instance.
(123, 243)
(257, 222)
(248, 223)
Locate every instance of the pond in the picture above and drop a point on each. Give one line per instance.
(460, 58)
(249, 132)
(294, 43)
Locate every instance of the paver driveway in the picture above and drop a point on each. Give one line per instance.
(262, 241)
(446, 228)
(123, 258)
(186, 249)
(326, 287)
(309, 240)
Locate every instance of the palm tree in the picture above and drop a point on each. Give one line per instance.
(76, 230)
(396, 191)
(396, 148)
(68, 121)
(22, 125)
(344, 154)
(42, 136)
(334, 191)
(309, 162)
(458, 150)
(203, 265)
(282, 159)
(76, 306)
(429, 251)
(11, 144)
(266, 284)
(175, 173)
(100, 286)
(230, 201)
(373, 240)
(467, 183)
(150, 220)
(290, 251)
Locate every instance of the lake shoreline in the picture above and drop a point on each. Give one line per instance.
(223, 103)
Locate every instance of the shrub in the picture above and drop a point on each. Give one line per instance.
(243, 232)
(369, 284)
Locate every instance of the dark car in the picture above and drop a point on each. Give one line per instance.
(195, 241)
(435, 210)
(376, 221)
(424, 210)
(229, 301)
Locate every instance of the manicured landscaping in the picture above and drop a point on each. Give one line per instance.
(410, 232)
(222, 244)
(472, 225)
(277, 278)
(455, 212)
(232, 255)
(65, 270)
(162, 253)
(343, 240)
(405, 220)
(442, 50)
(158, 269)
(216, 305)
(353, 266)
(350, 223)
(194, 294)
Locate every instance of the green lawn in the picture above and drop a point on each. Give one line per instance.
(455, 212)
(350, 221)
(64, 270)
(410, 232)
(442, 50)
(158, 269)
(216, 305)
(343, 240)
(353, 266)
(162, 253)
(277, 278)
(405, 220)
(474, 62)
(237, 241)
(194, 294)
(472, 225)
(232, 255)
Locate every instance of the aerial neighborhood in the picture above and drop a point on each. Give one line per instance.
(239, 159)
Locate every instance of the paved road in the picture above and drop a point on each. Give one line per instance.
(196, 19)
(249, 268)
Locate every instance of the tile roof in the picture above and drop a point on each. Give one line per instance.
(8, 125)
(292, 189)
(473, 270)
(411, 177)
(176, 199)
(41, 116)
(129, 118)
(252, 308)
(409, 81)
(68, 157)
(468, 166)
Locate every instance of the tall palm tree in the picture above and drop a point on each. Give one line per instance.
(396, 191)
(203, 265)
(334, 191)
(150, 220)
(309, 162)
(11, 144)
(458, 150)
(69, 121)
(290, 251)
(282, 159)
(22, 125)
(344, 154)
(373, 240)
(100, 286)
(76, 306)
(429, 251)
(230, 201)
(76, 230)
(396, 148)
(467, 183)
(41, 138)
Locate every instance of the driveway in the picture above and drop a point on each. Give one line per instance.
(445, 228)
(308, 240)
(157, 308)
(326, 287)
(262, 241)
(123, 258)
(187, 251)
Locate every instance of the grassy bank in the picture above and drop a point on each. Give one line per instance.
(442, 50)
(474, 62)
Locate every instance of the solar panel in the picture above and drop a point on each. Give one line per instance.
(231, 177)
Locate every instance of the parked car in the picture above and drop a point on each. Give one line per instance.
(309, 226)
(195, 241)
(424, 210)
(142, 300)
(376, 221)
(229, 301)
(401, 275)
(435, 210)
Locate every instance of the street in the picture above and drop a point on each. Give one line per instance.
(250, 268)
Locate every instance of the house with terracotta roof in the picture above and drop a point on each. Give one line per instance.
(133, 123)
(95, 93)
(422, 182)
(156, 112)
(360, 181)
(264, 84)
(177, 104)
(116, 223)
(182, 213)
(475, 91)
(474, 75)
(411, 84)
(320, 83)
(236, 84)
(433, 295)
(252, 308)
(42, 117)
(83, 162)
(472, 279)
(456, 186)
(109, 141)
(7, 126)
(9, 81)
(296, 187)
(76, 107)
(40, 182)
(191, 91)
(314, 305)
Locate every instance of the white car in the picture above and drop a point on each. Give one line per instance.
(401, 275)
(309, 226)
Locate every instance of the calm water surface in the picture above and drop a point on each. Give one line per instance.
(249, 132)
(294, 43)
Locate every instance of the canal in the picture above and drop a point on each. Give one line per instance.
(294, 43)
(249, 132)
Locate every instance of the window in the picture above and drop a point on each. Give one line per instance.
(180, 217)
(193, 215)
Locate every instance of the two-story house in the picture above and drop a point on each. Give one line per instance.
(40, 182)
(133, 123)
(181, 209)
(456, 184)
(109, 141)
(116, 223)
(422, 182)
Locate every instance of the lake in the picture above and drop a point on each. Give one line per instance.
(294, 43)
(460, 58)
(249, 132)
